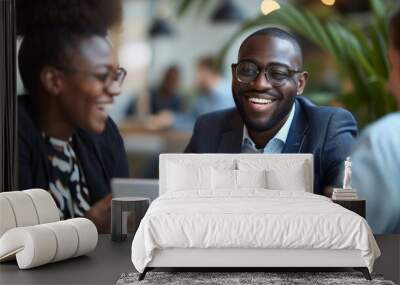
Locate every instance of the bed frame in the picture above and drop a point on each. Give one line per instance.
(249, 259)
(244, 259)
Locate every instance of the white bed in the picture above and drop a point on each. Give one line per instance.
(215, 211)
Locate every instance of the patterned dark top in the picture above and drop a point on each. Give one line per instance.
(67, 182)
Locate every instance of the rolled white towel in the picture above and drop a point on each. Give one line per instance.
(40, 244)
(7, 218)
(26, 208)
(33, 246)
(23, 208)
(45, 205)
(67, 240)
(87, 235)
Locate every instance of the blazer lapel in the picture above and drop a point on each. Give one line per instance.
(297, 131)
(231, 139)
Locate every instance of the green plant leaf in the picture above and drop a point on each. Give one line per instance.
(183, 6)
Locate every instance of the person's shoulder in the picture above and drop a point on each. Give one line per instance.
(111, 128)
(325, 115)
(381, 138)
(208, 130)
(392, 119)
(323, 111)
(387, 126)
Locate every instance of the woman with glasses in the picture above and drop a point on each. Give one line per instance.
(67, 143)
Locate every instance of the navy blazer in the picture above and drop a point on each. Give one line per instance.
(326, 132)
(102, 156)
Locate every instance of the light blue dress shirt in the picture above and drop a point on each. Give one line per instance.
(376, 173)
(275, 145)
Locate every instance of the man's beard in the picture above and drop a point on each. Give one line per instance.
(272, 121)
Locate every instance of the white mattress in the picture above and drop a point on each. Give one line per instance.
(250, 219)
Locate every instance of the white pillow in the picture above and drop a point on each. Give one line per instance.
(282, 180)
(251, 178)
(283, 173)
(226, 179)
(223, 179)
(193, 174)
(187, 178)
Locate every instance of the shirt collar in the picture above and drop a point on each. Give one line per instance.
(281, 135)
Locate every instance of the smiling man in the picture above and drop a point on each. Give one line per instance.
(271, 117)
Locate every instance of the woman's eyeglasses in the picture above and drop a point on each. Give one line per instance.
(107, 78)
(276, 74)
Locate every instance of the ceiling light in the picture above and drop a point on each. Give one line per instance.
(268, 6)
(328, 2)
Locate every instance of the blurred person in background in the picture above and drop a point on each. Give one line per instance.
(166, 97)
(376, 156)
(214, 94)
(67, 143)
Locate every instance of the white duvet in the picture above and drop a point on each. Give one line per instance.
(250, 219)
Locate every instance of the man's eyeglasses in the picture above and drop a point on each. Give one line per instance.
(107, 78)
(276, 74)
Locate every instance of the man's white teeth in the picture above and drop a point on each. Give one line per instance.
(260, 101)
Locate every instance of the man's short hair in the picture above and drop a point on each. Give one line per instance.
(280, 34)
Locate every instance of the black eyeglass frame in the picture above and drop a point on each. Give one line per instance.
(273, 82)
(118, 75)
